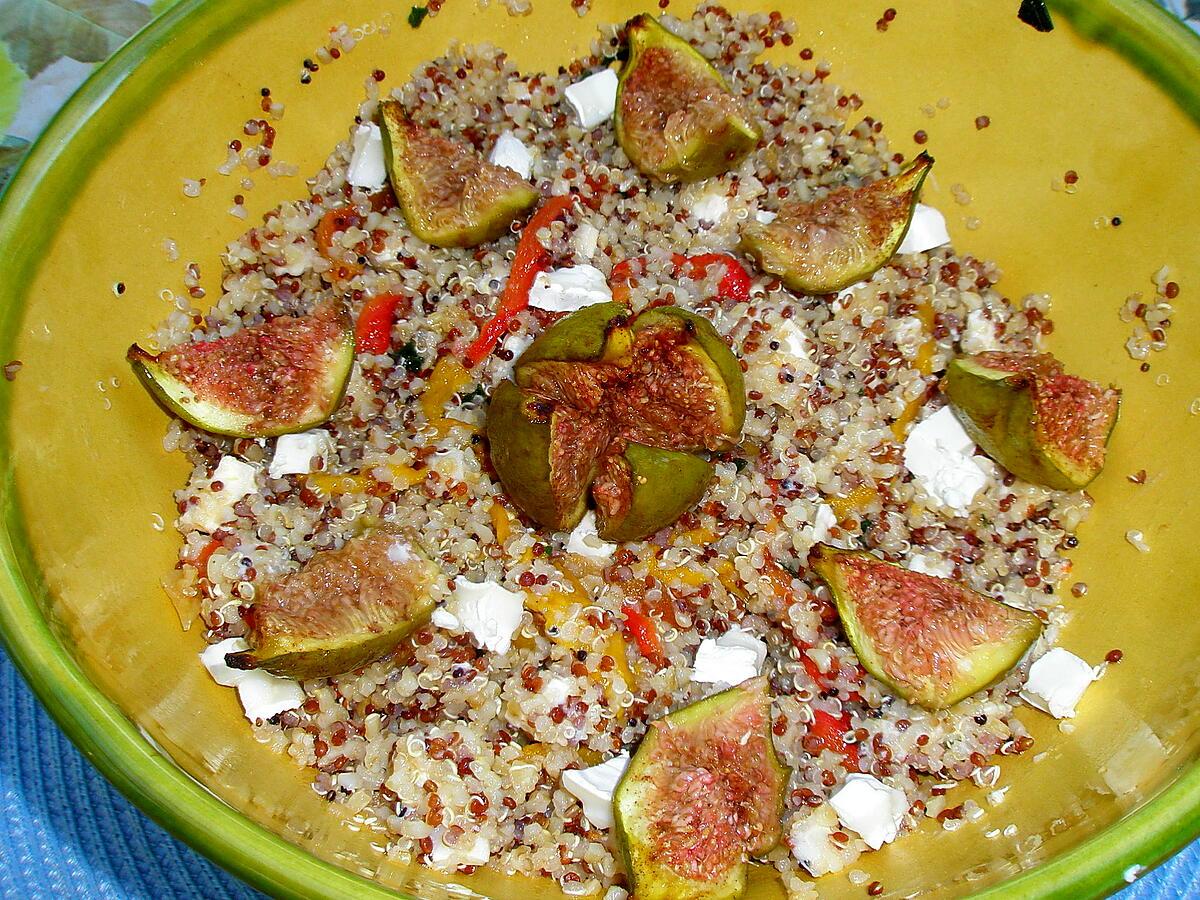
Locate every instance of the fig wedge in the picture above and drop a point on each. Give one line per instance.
(676, 118)
(344, 609)
(702, 794)
(831, 243)
(616, 409)
(1025, 412)
(283, 376)
(931, 640)
(450, 195)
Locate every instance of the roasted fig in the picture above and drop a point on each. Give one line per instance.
(344, 609)
(676, 118)
(619, 408)
(929, 639)
(703, 792)
(1044, 426)
(826, 245)
(283, 376)
(450, 195)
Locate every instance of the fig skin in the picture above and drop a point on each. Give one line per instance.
(821, 247)
(685, 737)
(997, 409)
(711, 147)
(968, 660)
(490, 197)
(664, 483)
(344, 609)
(334, 357)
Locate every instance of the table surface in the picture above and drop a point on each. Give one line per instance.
(112, 851)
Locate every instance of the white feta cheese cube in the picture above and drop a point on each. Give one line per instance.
(294, 453)
(261, 694)
(930, 565)
(939, 454)
(556, 690)
(811, 840)
(509, 152)
(467, 851)
(979, 335)
(584, 540)
(823, 521)
(711, 208)
(873, 809)
(1056, 683)
(491, 613)
(926, 231)
(587, 238)
(765, 216)
(569, 289)
(594, 788)
(367, 169)
(730, 659)
(595, 98)
(214, 507)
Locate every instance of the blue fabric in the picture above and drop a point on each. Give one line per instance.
(111, 851)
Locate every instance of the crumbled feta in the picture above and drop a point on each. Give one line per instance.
(367, 169)
(400, 552)
(793, 343)
(215, 507)
(262, 694)
(594, 788)
(556, 690)
(730, 659)
(491, 613)
(587, 238)
(569, 289)
(930, 565)
(516, 344)
(451, 464)
(585, 541)
(926, 231)
(939, 454)
(1056, 683)
(711, 208)
(873, 809)
(847, 292)
(595, 98)
(465, 852)
(979, 336)
(294, 453)
(510, 153)
(765, 216)
(823, 521)
(811, 840)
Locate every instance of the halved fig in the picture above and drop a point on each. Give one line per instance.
(280, 377)
(450, 195)
(617, 408)
(929, 639)
(826, 245)
(1044, 426)
(344, 609)
(703, 792)
(676, 118)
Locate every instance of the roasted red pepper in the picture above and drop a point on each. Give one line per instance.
(531, 258)
(205, 555)
(644, 631)
(827, 732)
(734, 285)
(373, 332)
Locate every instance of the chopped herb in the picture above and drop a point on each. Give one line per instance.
(739, 463)
(417, 15)
(475, 395)
(1035, 14)
(410, 357)
(866, 526)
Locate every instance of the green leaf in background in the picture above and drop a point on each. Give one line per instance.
(38, 32)
(12, 79)
(158, 7)
(12, 151)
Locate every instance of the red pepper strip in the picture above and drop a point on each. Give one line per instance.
(822, 680)
(340, 218)
(531, 258)
(643, 630)
(828, 733)
(735, 285)
(623, 273)
(373, 332)
(205, 555)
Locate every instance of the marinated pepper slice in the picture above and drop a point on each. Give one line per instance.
(617, 408)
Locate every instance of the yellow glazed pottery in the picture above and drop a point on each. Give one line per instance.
(87, 488)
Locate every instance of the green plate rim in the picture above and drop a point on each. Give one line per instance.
(1147, 35)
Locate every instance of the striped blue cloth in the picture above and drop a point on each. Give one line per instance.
(65, 833)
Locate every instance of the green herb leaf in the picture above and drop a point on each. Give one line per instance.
(410, 357)
(417, 15)
(1034, 13)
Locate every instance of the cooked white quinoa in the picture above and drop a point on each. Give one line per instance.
(446, 741)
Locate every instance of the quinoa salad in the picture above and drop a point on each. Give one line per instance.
(617, 476)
